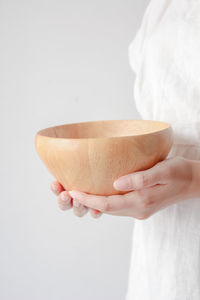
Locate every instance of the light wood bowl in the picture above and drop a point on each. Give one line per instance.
(90, 156)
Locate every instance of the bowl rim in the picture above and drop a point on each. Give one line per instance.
(39, 133)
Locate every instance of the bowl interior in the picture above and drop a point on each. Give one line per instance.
(102, 129)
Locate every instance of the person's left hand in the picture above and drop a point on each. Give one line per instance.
(148, 191)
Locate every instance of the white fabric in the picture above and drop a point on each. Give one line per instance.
(165, 56)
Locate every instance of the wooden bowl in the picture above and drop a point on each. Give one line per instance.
(89, 156)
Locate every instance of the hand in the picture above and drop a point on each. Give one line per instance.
(65, 202)
(148, 191)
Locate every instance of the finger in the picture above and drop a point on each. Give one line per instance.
(101, 203)
(141, 179)
(64, 201)
(79, 209)
(56, 187)
(95, 213)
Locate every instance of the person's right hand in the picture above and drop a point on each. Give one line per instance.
(65, 202)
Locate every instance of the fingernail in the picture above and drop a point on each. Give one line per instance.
(65, 198)
(122, 183)
(76, 203)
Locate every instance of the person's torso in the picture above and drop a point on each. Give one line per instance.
(165, 56)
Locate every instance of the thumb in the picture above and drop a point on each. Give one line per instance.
(141, 179)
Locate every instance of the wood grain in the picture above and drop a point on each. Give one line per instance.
(89, 156)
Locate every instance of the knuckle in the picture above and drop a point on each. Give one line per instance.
(145, 205)
(171, 167)
(145, 201)
(131, 180)
(179, 158)
(169, 172)
(142, 180)
(106, 205)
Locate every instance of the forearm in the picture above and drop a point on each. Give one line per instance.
(195, 184)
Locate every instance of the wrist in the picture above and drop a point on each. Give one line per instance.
(195, 180)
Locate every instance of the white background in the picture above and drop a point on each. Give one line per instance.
(60, 62)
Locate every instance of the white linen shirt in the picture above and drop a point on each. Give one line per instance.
(165, 56)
